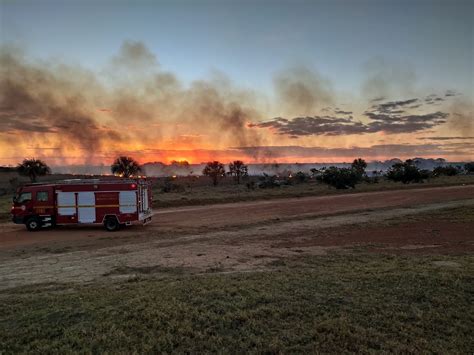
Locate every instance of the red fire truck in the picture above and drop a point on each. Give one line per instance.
(113, 203)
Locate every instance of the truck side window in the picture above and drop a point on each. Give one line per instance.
(42, 196)
(25, 196)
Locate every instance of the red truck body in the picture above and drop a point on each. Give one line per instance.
(112, 203)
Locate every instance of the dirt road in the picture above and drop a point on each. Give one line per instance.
(207, 218)
(237, 237)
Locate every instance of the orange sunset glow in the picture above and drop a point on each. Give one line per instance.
(69, 115)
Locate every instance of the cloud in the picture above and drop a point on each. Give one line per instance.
(439, 138)
(377, 99)
(334, 126)
(316, 125)
(341, 112)
(451, 93)
(391, 117)
(390, 123)
(391, 105)
(433, 99)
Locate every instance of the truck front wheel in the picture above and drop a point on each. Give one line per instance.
(111, 224)
(33, 224)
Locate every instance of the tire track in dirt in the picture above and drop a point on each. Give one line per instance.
(187, 219)
(223, 251)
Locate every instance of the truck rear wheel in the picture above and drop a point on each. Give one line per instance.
(111, 224)
(33, 224)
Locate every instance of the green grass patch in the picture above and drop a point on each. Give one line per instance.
(5, 207)
(335, 304)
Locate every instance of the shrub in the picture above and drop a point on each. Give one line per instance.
(469, 167)
(406, 173)
(301, 177)
(268, 181)
(340, 178)
(445, 170)
(170, 186)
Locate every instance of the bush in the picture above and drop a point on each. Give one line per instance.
(445, 170)
(250, 185)
(469, 167)
(268, 181)
(407, 172)
(301, 177)
(340, 178)
(170, 186)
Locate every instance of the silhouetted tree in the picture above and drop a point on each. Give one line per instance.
(215, 170)
(238, 170)
(33, 168)
(125, 167)
(359, 165)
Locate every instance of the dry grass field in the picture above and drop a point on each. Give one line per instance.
(301, 268)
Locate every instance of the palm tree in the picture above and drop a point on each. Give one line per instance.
(33, 168)
(214, 170)
(125, 167)
(238, 169)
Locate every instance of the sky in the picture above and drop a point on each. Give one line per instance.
(291, 81)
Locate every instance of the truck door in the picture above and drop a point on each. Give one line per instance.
(44, 204)
(24, 203)
(86, 207)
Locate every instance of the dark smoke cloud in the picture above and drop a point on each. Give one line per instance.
(136, 100)
(38, 99)
(371, 152)
(462, 121)
(301, 91)
(386, 78)
(135, 54)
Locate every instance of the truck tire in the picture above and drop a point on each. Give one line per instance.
(111, 224)
(33, 224)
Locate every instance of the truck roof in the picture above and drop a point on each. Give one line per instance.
(85, 182)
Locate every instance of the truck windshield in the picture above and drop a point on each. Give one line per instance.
(23, 197)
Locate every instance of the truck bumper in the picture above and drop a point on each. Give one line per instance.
(147, 220)
(18, 219)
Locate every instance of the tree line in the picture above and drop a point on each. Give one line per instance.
(340, 178)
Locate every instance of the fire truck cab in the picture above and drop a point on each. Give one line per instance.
(113, 203)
